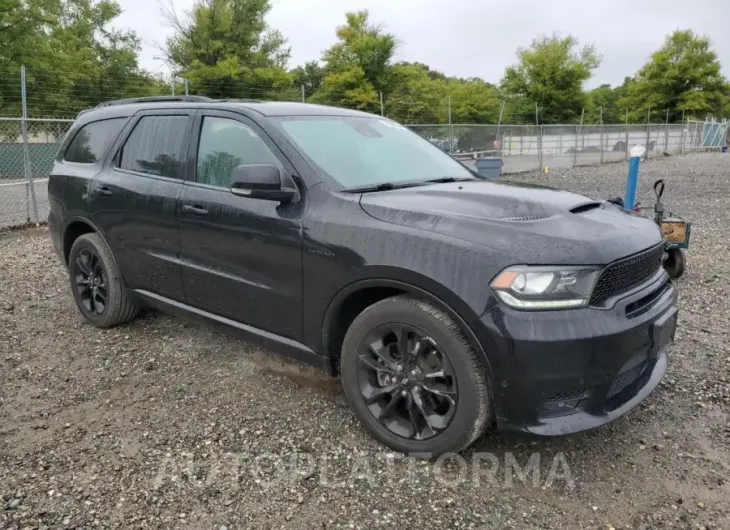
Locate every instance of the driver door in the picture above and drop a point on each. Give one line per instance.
(241, 258)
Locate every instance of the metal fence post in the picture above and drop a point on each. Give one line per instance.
(304, 97)
(451, 131)
(382, 107)
(699, 134)
(560, 142)
(666, 133)
(185, 79)
(539, 137)
(30, 186)
(648, 132)
(602, 146)
(681, 145)
(580, 128)
(499, 124)
(627, 135)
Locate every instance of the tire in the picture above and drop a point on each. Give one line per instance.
(675, 263)
(472, 409)
(117, 307)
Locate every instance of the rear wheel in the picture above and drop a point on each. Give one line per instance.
(412, 378)
(96, 283)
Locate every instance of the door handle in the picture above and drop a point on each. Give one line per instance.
(104, 191)
(194, 209)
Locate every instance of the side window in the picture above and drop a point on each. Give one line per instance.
(155, 146)
(93, 139)
(225, 144)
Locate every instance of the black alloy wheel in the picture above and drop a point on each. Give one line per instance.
(90, 278)
(413, 378)
(407, 381)
(96, 283)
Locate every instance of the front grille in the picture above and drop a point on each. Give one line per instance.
(620, 276)
(625, 379)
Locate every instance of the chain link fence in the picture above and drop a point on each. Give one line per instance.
(530, 147)
(25, 163)
(28, 147)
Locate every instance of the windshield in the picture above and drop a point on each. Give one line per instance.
(359, 152)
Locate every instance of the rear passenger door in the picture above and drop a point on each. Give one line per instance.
(75, 170)
(134, 200)
(241, 257)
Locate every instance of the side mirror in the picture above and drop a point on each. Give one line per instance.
(260, 181)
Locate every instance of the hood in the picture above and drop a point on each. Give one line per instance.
(536, 224)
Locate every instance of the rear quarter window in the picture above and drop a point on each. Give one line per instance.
(92, 141)
(155, 146)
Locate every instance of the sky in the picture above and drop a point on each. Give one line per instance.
(473, 38)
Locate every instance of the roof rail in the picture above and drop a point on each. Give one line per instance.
(156, 99)
(239, 100)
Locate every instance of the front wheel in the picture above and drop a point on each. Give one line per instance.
(675, 262)
(412, 378)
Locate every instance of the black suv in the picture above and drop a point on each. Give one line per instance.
(447, 303)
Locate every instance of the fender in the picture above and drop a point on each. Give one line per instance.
(86, 221)
(419, 292)
(75, 219)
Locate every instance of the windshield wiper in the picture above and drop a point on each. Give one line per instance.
(447, 179)
(384, 186)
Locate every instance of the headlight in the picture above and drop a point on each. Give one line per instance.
(539, 288)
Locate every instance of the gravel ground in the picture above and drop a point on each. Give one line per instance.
(165, 424)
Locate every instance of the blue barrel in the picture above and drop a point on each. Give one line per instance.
(490, 168)
(724, 149)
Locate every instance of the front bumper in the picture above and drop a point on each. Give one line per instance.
(562, 372)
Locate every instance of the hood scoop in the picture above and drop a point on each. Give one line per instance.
(585, 207)
(475, 202)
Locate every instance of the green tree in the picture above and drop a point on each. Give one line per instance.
(358, 66)
(309, 76)
(606, 99)
(226, 50)
(364, 45)
(550, 73)
(104, 65)
(348, 88)
(20, 19)
(416, 95)
(73, 58)
(682, 76)
(474, 101)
